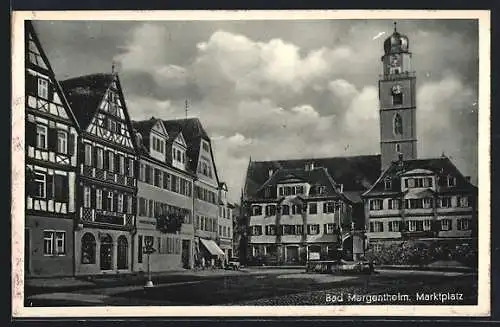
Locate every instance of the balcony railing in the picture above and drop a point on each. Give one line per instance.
(108, 217)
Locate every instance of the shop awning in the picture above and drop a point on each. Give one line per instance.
(212, 247)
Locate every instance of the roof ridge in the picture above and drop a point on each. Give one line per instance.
(86, 75)
(321, 158)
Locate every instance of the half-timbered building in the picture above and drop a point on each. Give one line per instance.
(51, 160)
(106, 184)
(165, 199)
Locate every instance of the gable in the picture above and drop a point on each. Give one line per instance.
(206, 164)
(110, 121)
(35, 56)
(43, 92)
(180, 140)
(160, 129)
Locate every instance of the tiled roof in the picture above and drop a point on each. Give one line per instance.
(192, 131)
(144, 127)
(315, 177)
(84, 94)
(442, 166)
(355, 173)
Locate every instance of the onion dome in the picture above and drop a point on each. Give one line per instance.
(396, 43)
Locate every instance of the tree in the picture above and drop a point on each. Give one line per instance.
(170, 222)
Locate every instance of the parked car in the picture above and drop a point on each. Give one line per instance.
(233, 263)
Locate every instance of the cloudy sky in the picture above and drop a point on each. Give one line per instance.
(281, 89)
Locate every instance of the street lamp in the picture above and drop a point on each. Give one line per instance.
(149, 250)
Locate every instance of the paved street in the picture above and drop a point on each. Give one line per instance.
(277, 287)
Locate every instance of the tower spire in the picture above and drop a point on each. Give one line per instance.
(186, 108)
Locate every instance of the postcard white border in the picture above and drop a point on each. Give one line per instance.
(482, 309)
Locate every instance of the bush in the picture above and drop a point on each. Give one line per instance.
(421, 254)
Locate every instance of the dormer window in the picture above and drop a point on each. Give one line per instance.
(321, 189)
(179, 157)
(388, 184)
(158, 144)
(452, 181)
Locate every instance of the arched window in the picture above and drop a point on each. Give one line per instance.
(122, 260)
(88, 249)
(398, 124)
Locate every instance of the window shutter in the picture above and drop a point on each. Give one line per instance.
(104, 200)
(325, 229)
(106, 160)
(30, 133)
(51, 90)
(148, 174)
(71, 144)
(31, 84)
(93, 198)
(52, 139)
(60, 189)
(117, 163)
(115, 202)
(94, 156)
(324, 207)
(50, 186)
(126, 167)
(137, 168)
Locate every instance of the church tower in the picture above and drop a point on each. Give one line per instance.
(397, 98)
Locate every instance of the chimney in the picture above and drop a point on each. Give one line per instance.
(270, 172)
(341, 188)
(309, 166)
(467, 179)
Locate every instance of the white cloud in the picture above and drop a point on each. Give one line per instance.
(273, 99)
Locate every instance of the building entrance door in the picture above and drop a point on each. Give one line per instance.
(122, 259)
(106, 253)
(186, 253)
(292, 254)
